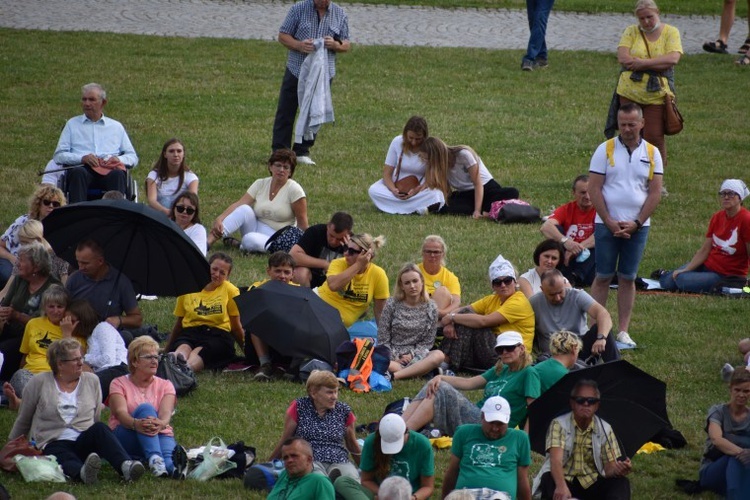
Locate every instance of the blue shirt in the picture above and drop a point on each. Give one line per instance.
(104, 137)
(302, 22)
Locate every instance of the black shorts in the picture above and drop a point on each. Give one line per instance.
(217, 344)
(318, 277)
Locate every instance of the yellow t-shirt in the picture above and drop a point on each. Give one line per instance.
(353, 301)
(516, 309)
(668, 41)
(258, 283)
(443, 278)
(37, 336)
(206, 308)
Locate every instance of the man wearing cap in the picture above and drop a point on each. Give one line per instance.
(298, 481)
(490, 455)
(625, 187)
(583, 457)
(560, 308)
(401, 453)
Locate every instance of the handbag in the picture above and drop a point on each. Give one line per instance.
(215, 461)
(17, 446)
(407, 183)
(673, 121)
(514, 211)
(284, 239)
(182, 377)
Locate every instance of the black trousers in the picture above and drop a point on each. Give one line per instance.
(283, 125)
(616, 488)
(462, 202)
(611, 352)
(80, 179)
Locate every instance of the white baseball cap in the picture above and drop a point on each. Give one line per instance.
(392, 429)
(496, 409)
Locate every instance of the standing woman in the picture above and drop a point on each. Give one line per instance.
(185, 211)
(407, 326)
(467, 185)
(404, 161)
(269, 204)
(169, 177)
(441, 284)
(648, 52)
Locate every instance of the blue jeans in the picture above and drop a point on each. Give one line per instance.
(726, 476)
(699, 280)
(620, 253)
(538, 13)
(139, 446)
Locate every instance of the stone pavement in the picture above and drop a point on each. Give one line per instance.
(369, 24)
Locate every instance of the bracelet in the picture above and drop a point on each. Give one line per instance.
(638, 223)
(135, 421)
(452, 317)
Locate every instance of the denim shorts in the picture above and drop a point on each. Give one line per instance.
(620, 253)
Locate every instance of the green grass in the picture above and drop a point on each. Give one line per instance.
(534, 131)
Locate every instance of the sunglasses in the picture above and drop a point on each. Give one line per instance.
(503, 281)
(54, 203)
(506, 348)
(432, 252)
(183, 209)
(727, 194)
(353, 251)
(585, 401)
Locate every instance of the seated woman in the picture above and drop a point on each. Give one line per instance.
(63, 409)
(547, 255)
(392, 450)
(185, 212)
(564, 347)
(170, 177)
(353, 282)
(22, 302)
(327, 424)
(407, 326)
(208, 322)
(441, 284)
(141, 407)
(405, 166)
(268, 205)
(441, 402)
(459, 173)
(725, 466)
(469, 332)
(725, 250)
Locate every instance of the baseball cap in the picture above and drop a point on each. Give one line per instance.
(508, 338)
(392, 429)
(496, 409)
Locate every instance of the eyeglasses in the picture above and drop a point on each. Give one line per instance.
(432, 252)
(282, 166)
(503, 281)
(585, 401)
(352, 251)
(149, 357)
(506, 348)
(74, 360)
(727, 194)
(54, 203)
(183, 209)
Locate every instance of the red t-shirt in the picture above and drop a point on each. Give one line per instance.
(577, 224)
(729, 236)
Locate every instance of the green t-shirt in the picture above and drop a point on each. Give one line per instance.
(490, 464)
(550, 371)
(313, 486)
(413, 462)
(515, 387)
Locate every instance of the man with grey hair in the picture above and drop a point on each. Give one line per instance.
(395, 488)
(99, 143)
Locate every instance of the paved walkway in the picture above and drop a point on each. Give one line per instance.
(369, 24)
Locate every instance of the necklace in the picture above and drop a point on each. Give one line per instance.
(648, 32)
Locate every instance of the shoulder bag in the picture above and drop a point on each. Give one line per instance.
(407, 183)
(673, 121)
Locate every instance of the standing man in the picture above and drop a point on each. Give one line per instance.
(583, 457)
(318, 246)
(537, 12)
(298, 481)
(489, 455)
(625, 188)
(99, 143)
(572, 225)
(306, 21)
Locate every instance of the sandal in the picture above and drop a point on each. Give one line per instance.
(230, 242)
(744, 47)
(743, 61)
(717, 47)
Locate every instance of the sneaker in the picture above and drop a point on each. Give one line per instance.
(624, 338)
(90, 470)
(335, 474)
(305, 160)
(664, 191)
(658, 273)
(541, 63)
(132, 470)
(726, 372)
(265, 373)
(180, 460)
(422, 211)
(527, 65)
(157, 467)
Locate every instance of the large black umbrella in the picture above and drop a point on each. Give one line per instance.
(147, 247)
(293, 320)
(632, 402)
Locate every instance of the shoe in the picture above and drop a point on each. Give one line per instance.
(527, 65)
(624, 338)
(726, 372)
(717, 47)
(305, 160)
(422, 211)
(180, 461)
(664, 192)
(743, 61)
(657, 274)
(157, 467)
(541, 63)
(335, 474)
(90, 470)
(265, 373)
(744, 47)
(132, 470)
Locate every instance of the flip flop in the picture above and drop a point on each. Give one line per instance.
(743, 61)
(717, 47)
(744, 47)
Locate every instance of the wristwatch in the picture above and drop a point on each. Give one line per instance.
(564, 240)
(452, 317)
(601, 337)
(638, 223)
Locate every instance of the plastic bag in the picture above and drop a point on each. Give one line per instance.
(40, 468)
(215, 461)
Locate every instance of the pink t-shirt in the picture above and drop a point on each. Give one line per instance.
(577, 224)
(133, 396)
(292, 412)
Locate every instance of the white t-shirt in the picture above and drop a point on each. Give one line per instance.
(165, 190)
(197, 233)
(411, 163)
(67, 408)
(458, 175)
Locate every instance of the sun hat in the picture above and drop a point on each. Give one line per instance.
(392, 429)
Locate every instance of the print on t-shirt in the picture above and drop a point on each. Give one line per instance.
(727, 246)
(208, 310)
(45, 341)
(486, 455)
(399, 468)
(355, 293)
(496, 387)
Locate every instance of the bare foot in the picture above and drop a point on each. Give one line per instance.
(14, 402)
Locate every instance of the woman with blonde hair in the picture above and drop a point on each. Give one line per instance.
(564, 347)
(441, 284)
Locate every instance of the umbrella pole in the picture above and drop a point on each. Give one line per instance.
(119, 273)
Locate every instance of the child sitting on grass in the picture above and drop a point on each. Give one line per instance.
(728, 369)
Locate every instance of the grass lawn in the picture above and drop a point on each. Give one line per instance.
(534, 131)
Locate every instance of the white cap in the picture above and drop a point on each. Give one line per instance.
(392, 429)
(737, 186)
(496, 409)
(501, 267)
(508, 338)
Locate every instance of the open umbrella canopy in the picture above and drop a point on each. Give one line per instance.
(293, 320)
(632, 401)
(147, 247)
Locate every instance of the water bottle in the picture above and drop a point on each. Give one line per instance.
(435, 433)
(731, 291)
(585, 253)
(277, 465)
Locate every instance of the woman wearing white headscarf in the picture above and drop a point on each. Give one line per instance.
(725, 249)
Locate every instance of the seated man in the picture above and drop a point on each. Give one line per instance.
(490, 455)
(108, 291)
(583, 457)
(298, 481)
(561, 308)
(572, 225)
(100, 143)
(318, 246)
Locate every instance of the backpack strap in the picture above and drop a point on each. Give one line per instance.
(610, 149)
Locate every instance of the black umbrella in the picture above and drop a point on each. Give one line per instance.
(632, 402)
(143, 244)
(293, 320)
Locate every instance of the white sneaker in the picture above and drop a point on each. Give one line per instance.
(726, 372)
(157, 467)
(132, 470)
(305, 160)
(624, 338)
(90, 470)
